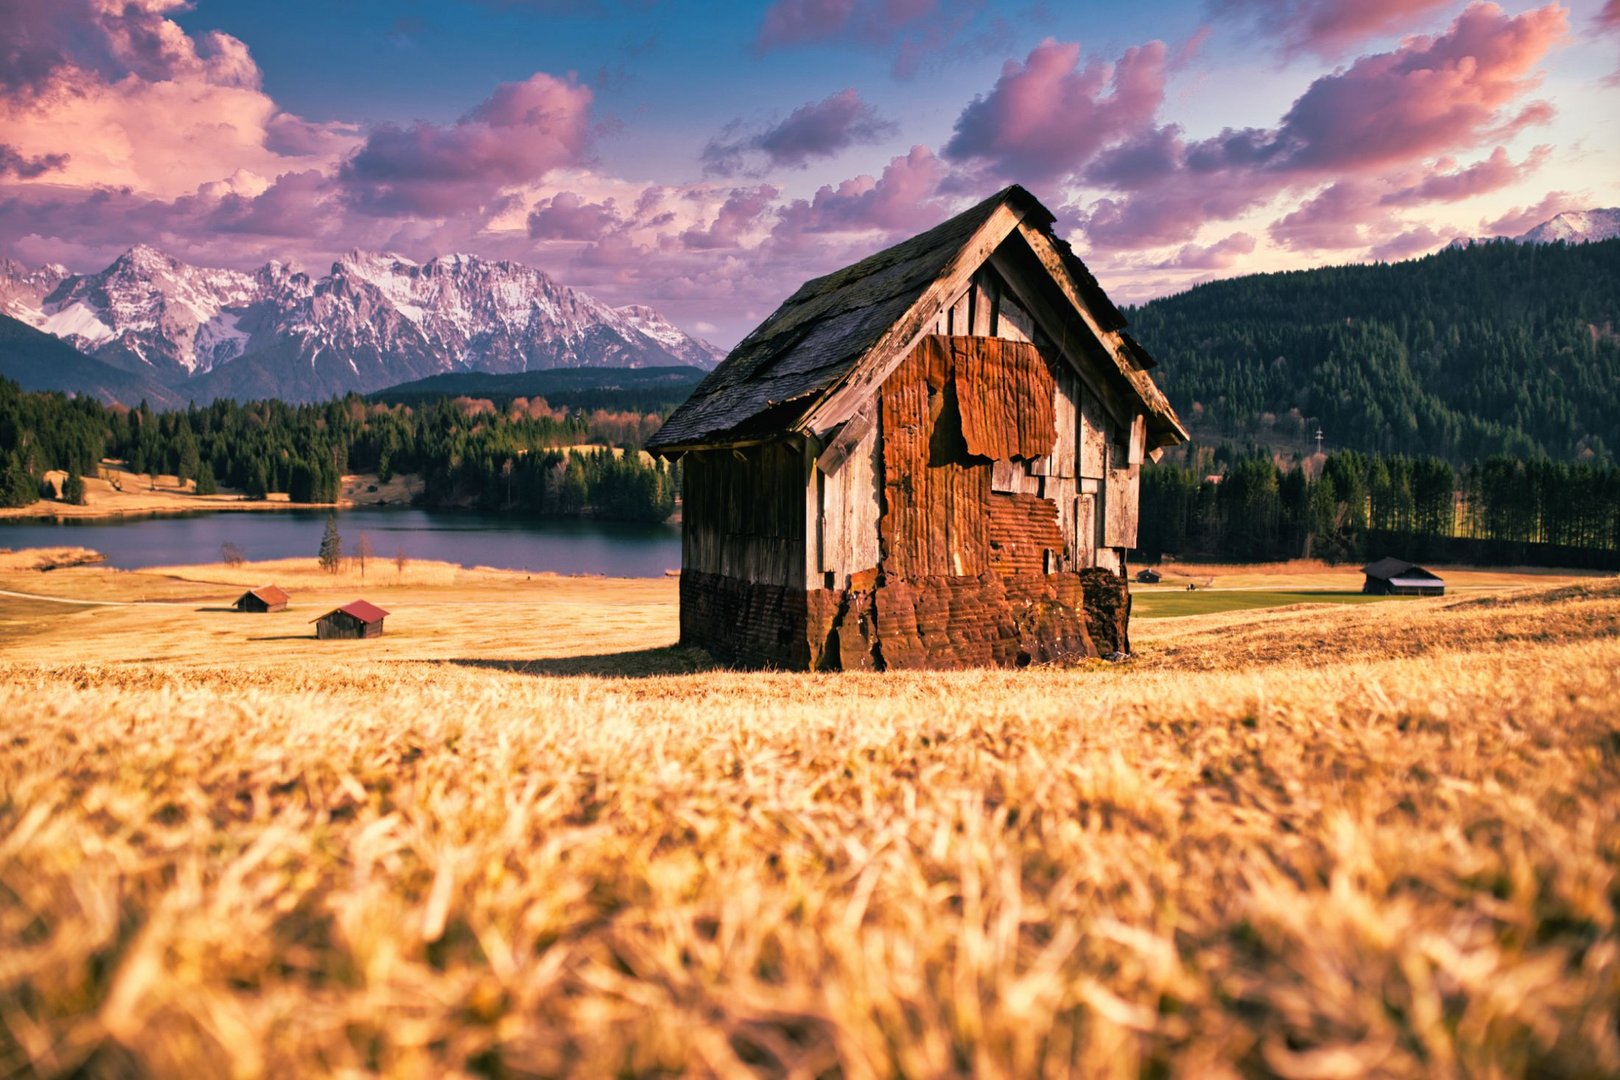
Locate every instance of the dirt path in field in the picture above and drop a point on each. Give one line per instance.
(89, 603)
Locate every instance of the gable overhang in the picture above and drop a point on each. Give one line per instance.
(1122, 356)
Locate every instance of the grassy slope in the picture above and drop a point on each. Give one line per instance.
(1306, 842)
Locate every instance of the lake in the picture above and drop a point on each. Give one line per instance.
(557, 545)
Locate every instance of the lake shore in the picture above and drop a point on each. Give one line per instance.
(119, 493)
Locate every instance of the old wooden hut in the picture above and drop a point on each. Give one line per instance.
(266, 598)
(358, 619)
(1397, 577)
(927, 459)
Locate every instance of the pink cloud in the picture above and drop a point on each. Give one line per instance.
(1221, 255)
(1332, 219)
(1417, 241)
(1383, 115)
(517, 135)
(93, 76)
(1494, 173)
(1523, 219)
(1427, 96)
(740, 212)
(1331, 28)
(905, 198)
(566, 216)
(817, 129)
(1048, 116)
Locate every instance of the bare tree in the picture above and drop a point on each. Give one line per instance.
(362, 552)
(401, 561)
(231, 555)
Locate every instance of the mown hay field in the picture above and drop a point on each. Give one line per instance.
(1327, 841)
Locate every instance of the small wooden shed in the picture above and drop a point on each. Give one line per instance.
(265, 598)
(927, 459)
(357, 619)
(1397, 577)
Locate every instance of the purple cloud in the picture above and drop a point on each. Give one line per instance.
(817, 129)
(22, 167)
(1047, 117)
(1329, 28)
(518, 135)
(566, 216)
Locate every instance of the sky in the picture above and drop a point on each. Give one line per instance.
(707, 158)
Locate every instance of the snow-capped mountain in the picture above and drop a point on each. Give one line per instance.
(1570, 227)
(375, 320)
(1576, 227)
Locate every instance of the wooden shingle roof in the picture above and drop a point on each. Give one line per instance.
(770, 382)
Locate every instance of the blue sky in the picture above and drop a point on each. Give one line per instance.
(705, 158)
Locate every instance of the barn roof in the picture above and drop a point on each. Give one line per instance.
(814, 343)
(270, 594)
(1389, 568)
(360, 609)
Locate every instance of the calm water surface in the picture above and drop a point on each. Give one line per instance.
(558, 546)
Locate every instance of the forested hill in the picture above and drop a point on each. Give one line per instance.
(1495, 348)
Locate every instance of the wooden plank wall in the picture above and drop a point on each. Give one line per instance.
(846, 506)
(743, 513)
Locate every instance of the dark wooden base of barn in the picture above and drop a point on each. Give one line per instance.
(927, 623)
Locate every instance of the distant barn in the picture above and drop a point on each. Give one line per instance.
(354, 620)
(927, 459)
(268, 598)
(1397, 577)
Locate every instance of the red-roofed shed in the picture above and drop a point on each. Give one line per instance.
(265, 598)
(358, 619)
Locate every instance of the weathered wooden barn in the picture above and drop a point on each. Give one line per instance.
(1397, 577)
(358, 619)
(265, 598)
(927, 459)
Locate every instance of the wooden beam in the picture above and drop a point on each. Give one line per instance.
(854, 430)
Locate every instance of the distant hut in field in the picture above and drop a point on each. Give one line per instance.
(927, 459)
(268, 598)
(358, 619)
(1397, 577)
(1149, 576)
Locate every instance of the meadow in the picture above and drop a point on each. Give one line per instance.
(525, 834)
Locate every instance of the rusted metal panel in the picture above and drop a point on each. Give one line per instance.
(934, 494)
(1005, 393)
(1025, 537)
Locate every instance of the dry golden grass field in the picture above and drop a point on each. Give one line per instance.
(525, 835)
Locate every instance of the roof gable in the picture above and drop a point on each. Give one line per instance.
(831, 341)
(363, 610)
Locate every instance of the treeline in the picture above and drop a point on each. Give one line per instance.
(1244, 506)
(1498, 349)
(466, 451)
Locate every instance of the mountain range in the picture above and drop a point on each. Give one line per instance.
(152, 326)
(374, 320)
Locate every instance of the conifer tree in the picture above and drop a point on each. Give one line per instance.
(331, 546)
